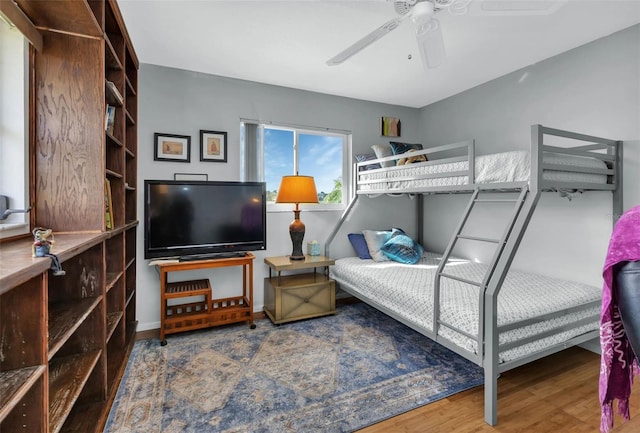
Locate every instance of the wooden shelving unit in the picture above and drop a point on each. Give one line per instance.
(208, 311)
(65, 340)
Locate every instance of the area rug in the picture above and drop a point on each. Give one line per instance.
(331, 374)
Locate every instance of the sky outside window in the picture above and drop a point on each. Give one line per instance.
(319, 156)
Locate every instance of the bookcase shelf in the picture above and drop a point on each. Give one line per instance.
(14, 384)
(67, 377)
(112, 173)
(114, 140)
(130, 119)
(65, 318)
(65, 340)
(113, 319)
(111, 60)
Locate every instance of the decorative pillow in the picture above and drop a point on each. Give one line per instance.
(367, 157)
(401, 248)
(410, 159)
(381, 151)
(375, 240)
(399, 148)
(359, 244)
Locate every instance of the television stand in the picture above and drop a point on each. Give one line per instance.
(208, 312)
(212, 256)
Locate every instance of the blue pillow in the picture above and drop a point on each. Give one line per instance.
(359, 244)
(399, 148)
(401, 248)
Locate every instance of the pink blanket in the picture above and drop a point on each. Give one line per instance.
(618, 363)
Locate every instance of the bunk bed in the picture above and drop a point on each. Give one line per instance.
(456, 302)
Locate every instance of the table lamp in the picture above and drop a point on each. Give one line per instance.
(297, 189)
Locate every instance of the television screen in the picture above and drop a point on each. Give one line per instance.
(186, 218)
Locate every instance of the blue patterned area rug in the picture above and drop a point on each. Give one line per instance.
(331, 374)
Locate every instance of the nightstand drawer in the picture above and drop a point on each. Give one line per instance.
(291, 298)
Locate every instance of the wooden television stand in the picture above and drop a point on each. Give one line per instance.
(207, 312)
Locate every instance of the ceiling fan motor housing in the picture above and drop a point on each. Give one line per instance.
(422, 12)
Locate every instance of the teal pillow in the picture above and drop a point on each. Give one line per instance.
(399, 148)
(401, 248)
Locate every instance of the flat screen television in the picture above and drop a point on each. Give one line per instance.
(188, 219)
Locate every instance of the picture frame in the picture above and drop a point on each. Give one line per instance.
(172, 147)
(390, 126)
(213, 146)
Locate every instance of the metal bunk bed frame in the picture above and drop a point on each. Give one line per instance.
(609, 151)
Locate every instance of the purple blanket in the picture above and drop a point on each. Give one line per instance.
(618, 363)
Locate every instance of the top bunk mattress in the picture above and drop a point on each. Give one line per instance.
(406, 291)
(494, 168)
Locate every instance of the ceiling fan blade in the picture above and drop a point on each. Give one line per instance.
(516, 7)
(366, 41)
(431, 44)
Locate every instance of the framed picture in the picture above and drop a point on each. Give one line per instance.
(171, 147)
(213, 146)
(390, 127)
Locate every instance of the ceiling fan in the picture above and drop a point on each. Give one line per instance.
(428, 30)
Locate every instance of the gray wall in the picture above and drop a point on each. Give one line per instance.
(182, 102)
(593, 89)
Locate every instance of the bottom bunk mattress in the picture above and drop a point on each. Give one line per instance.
(406, 292)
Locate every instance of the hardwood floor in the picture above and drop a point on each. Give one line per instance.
(555, 394)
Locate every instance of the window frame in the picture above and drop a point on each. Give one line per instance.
(347, 167)
(19, 225)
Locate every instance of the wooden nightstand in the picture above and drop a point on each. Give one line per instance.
(300, 295)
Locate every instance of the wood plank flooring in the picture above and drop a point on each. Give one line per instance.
(556, 394)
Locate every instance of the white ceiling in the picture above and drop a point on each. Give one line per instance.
(287, 43)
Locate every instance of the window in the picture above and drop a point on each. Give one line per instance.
(272, 151)
(14, 112)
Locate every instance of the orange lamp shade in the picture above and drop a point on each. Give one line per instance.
(297, 189)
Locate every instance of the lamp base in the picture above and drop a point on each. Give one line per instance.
(296, 231)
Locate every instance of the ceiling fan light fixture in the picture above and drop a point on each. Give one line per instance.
(422, 12)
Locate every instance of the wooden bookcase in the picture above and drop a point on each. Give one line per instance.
(65, 340)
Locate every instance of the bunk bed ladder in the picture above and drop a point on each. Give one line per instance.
(500, 244)
(489, 328)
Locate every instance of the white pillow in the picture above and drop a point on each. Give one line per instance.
(382, 150)
(375, 240)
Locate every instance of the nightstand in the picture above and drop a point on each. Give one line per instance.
(306, 292)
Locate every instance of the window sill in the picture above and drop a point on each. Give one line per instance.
(13, 229)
